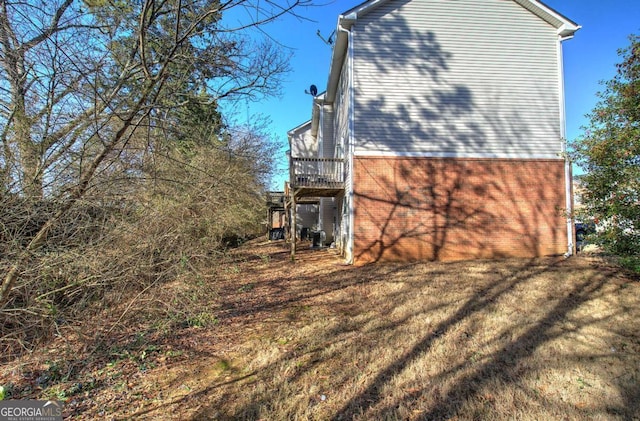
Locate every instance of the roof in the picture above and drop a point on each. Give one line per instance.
(565, 28)
(538, 8)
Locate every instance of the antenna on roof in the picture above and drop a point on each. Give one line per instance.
(328, 41)
(313, 91)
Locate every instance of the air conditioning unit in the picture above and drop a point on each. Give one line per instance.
(318, 239)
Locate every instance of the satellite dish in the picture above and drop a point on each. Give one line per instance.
(313, 91)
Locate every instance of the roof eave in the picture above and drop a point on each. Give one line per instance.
(345, 23)
(567, 31)
(565, 27)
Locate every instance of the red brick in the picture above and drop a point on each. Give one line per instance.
(451, 209)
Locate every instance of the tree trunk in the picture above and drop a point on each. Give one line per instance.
(30, 156)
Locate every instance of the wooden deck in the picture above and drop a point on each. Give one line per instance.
(310, 180)
(318, 174)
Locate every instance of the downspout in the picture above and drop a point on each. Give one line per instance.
(568, 177)
(350, 139)
(320, 135)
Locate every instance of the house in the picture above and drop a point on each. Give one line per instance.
(275, 222)
(440, 134)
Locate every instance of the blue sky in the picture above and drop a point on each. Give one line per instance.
(590, 57)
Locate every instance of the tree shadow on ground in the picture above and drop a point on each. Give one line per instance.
(504, 364)
(284, 387)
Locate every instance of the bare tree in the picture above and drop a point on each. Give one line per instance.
(80, 81)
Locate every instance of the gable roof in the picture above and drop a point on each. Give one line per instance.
(565, 29)
(565, 26)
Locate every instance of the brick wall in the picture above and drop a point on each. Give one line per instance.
(450, 209)
(277, 219)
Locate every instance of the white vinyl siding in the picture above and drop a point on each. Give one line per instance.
(327, 217)
(343, 150)
(341, 122)
(461, 78)
(307, 217)
(327, 213)
(302, 144)
(328, 144)
(341, 114)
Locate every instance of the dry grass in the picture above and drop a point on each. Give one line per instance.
(262, 338)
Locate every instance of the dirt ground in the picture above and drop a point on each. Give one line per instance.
(261, 337)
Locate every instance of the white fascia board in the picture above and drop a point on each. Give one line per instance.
(364, 8)
(338, 57)
(565, 26)
(345, 21)
(566, 32)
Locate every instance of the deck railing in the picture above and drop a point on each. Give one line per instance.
(275, 199)
(317, 172)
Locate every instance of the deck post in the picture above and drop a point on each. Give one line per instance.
(287, 219)
(293, 225)
(269, 221)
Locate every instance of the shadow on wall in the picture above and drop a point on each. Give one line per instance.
(414, 93)
(446, 208)
(400, 46)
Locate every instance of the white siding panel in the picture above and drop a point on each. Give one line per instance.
(303, 145)
(344, 150)
(328, 143)
(463, 78)
(341, 113)
(307, 217)
(328, 216)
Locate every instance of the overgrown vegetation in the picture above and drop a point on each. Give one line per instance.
(263, 338)
(609, 153)
(119, 170)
